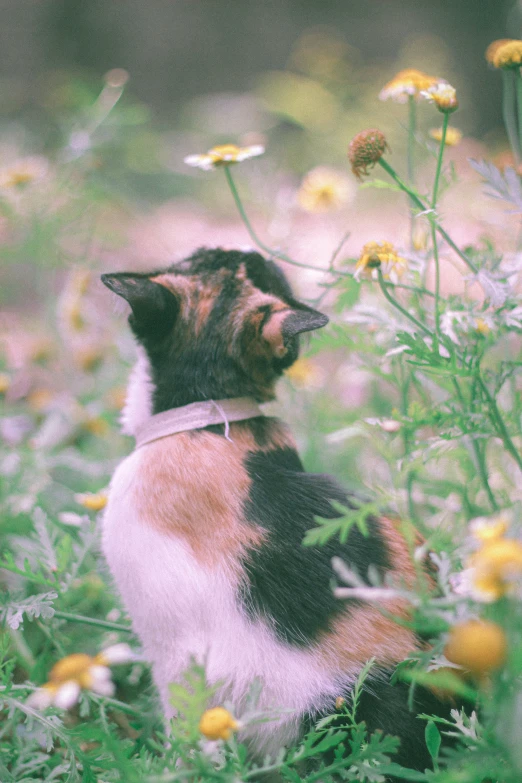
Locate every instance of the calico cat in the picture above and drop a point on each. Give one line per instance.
(203, 529)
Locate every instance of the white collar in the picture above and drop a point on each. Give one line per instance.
(195, 416)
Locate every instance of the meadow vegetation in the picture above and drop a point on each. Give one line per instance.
(412, 396)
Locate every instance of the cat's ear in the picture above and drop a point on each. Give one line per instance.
(154, 308)
(284, 325)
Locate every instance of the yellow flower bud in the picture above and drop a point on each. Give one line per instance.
(494, 47)
(505, 53)
(477, 645)
(217, 723)
(93, 502)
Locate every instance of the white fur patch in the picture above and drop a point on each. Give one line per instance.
(138, 403)
(182, 609)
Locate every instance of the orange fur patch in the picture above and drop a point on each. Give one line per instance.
(273, 331)
(365, 632)
(194, 484)
(400, 557)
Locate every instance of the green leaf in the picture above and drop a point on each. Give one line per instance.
(349, 295)
(433, 739)
(328, 528)
(441, 679)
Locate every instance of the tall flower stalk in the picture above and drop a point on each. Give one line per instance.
(438, 170)
(412, 125)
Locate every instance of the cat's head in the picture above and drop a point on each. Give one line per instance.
(220, 324)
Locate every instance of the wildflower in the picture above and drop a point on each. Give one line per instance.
(223, 155)
(41, 350)
(494, 47)
(443, 95)
(379, 256)
(5, 382)
(217, 723)
(477, 645)
(23, 172)
(453, 136)
(366, 149)
(505, 53)
(420, 239)
(487, 529)
(95, 425)
(494, 569)
(72, 313)
(79, 672)
(323, 189)
(40, 399)
(405, 83)
(305, 373)
(94, 501)
(482, 327)
(89, 358)
(116, 397)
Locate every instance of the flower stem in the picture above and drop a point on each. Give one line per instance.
(437, 278)
(518, 80)
(500, 425)
(508, 112)
(438, 170)
(479, 456)
(412, 121)
(78, 618)
(399, 307)
(423, 207)
(249, 228)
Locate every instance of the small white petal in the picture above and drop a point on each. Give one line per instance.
(116, 653)
(67, 695)
(101, 680)
(99, 673)
(103, 688)
(205, 162)
(250, 152)
(40, 699)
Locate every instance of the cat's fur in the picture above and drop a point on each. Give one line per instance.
(203, 534)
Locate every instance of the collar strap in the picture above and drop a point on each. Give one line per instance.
(195, 416)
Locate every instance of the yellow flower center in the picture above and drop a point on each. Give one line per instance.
(224, 153)
(73, 667)
(409, 81)
(381, 256)
(489, 530)
(18, 179)
(482, 327)
(5, 382)
(323, 189)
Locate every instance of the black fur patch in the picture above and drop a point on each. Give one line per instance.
(384, 707)
(288, 584)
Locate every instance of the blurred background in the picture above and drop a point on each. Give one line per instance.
(105, 174)
(102, 100)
